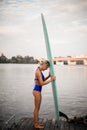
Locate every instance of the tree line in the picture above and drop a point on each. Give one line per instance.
(18, 59)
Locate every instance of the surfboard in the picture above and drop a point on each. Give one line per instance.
(52, 71)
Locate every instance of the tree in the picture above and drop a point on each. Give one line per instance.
(3, 59)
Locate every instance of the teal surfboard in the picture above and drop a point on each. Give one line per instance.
(49, 55)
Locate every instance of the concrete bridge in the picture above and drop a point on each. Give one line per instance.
(71, 60)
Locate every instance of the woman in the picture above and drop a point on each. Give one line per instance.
(40, 81)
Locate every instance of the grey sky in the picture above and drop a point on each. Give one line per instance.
(21, 29)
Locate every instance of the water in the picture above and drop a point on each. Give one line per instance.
(16, 84)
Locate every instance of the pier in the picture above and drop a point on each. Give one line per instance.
(26, 123)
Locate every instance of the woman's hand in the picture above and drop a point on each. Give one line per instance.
(53, 78)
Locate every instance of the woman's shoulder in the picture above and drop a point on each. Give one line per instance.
(37, 71)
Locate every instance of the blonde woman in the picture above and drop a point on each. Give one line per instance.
(40, 81)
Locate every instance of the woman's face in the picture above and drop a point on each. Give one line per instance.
(45, 67)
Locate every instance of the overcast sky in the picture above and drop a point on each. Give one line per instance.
(21, 31)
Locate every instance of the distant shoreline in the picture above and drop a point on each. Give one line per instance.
(18, 59)
(31, 60)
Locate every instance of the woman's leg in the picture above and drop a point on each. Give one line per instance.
(37, 101)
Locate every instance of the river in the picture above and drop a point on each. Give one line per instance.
(16, 85)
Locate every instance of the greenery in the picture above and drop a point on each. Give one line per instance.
(18, 59)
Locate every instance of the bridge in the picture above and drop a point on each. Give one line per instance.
(70, 60)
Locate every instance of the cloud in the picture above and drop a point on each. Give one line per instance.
(20, 25)
(10, 30)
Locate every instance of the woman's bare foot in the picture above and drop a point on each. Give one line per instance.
(38, 125)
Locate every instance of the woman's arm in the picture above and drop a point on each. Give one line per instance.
(40, 80)
(47, 77)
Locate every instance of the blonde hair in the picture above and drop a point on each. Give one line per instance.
(43, 61)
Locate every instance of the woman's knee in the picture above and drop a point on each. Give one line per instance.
(36, 109)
